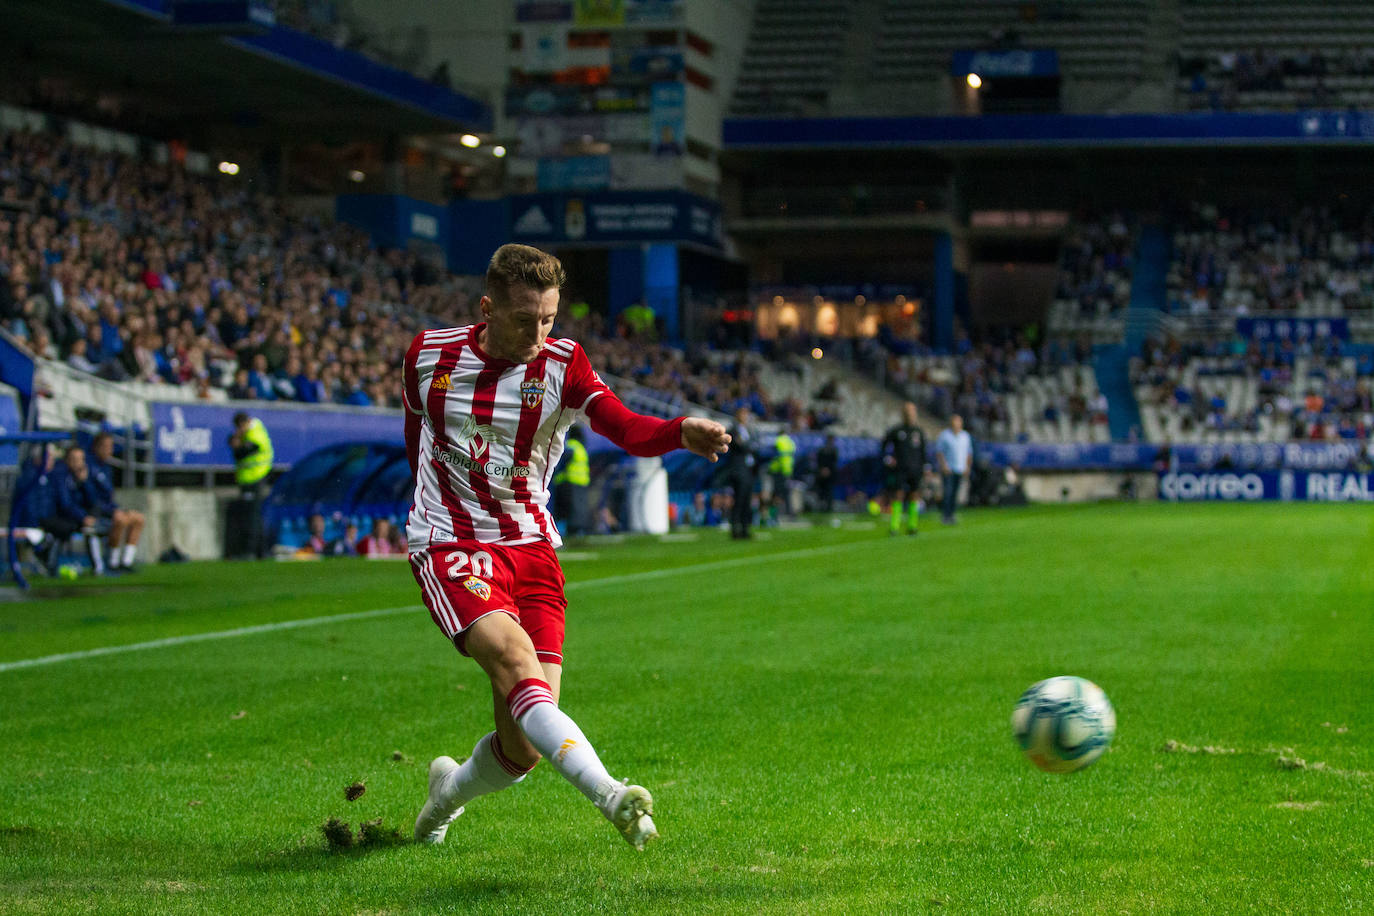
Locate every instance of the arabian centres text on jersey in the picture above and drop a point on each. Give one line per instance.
(491, 469)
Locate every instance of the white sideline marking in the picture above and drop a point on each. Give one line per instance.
(204, 637)
(386, 611)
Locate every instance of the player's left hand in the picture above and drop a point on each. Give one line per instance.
(703, 437)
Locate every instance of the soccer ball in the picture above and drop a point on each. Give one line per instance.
(1063, 723)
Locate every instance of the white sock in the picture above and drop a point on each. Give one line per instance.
(129, 552)
(487, 770)
(97, 555)
(558, 738)
(113, 561)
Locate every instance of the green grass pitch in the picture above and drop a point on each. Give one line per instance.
(822, 716)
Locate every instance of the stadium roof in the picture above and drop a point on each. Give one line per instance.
(252, 75)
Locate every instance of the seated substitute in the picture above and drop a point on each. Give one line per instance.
(126, 525)
(73, 510)
(35, 502)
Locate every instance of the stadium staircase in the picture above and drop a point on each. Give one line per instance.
(1143, 317)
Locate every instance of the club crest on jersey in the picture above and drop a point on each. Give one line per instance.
(477, 587)
(532, 391)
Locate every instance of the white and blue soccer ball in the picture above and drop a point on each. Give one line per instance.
(1063, 723)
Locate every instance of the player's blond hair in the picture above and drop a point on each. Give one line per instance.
(526, 266)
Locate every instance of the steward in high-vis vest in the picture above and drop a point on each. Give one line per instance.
(252, 449)
(571, 485)
(780, 469)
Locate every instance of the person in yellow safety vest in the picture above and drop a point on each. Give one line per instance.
(640, 321)
(252, 449)
(780, 469)
(571, 485)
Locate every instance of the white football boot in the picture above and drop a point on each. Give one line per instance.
(432, 824)
(631, 809)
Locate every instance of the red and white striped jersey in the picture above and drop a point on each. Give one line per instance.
(490, 435)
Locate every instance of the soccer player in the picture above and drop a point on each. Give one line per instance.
(487, 409)
(904, 457)
(126, 525)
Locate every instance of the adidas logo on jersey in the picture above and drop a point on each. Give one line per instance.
(441, 383)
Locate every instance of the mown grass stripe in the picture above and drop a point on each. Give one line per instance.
(383, 612)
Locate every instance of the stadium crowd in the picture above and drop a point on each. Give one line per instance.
(1222, 79)
(1298, 389)
(131, 269)
(1314, 260)
(142, 271)
(134, 270)
(979, 382)
(1095, 265)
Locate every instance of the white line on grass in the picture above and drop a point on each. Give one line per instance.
(203, 637)
(383, 612)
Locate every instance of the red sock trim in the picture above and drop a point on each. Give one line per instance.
(510, 766)
(526, 695)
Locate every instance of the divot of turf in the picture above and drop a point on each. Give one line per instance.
(375, 833)
(371, 834)
(355, 791)
(1178, 747)
(338, 834)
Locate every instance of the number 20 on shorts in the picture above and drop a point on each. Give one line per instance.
(478, 563)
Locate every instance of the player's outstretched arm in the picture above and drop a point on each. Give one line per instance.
(648, 436)
(703, 437)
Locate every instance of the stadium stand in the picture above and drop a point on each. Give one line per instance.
(792, 56)
(804, 54)
(1095, 279)
(821, 395)
(1012, 392)
(1310, 261)
(1310, 270)
(1095, 41)
(1020, 388)
(1272, 54)
(164, 277)
(1228, 389)
(131, 280)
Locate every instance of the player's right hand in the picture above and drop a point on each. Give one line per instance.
(703, 437)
